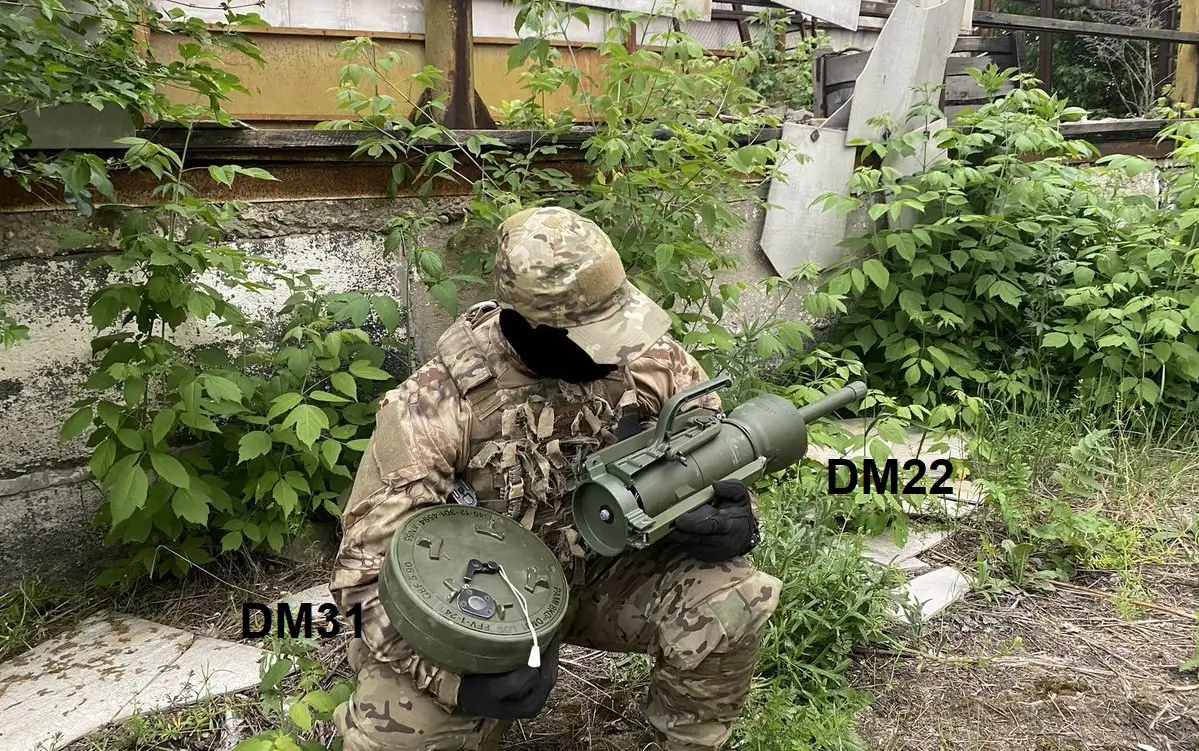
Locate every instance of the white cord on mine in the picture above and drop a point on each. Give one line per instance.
(535, 651)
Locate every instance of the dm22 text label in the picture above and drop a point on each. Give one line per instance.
(888, 481)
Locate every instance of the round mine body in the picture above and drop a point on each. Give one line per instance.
(444, 596)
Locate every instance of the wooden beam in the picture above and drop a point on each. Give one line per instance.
(1063, 26)
(281, 143)
(1045, 49)
(1186, 73)
(449, 31)
(984, 19)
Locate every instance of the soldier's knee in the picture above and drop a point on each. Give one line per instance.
(723, 619)
(745, 609)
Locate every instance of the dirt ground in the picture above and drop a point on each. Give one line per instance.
(1059, 671)
(1048, 672)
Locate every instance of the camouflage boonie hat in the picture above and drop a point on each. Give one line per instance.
(559, 269)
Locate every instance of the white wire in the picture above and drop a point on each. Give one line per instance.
(535, 651)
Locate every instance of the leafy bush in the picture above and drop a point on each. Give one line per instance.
(674, 153)
(833, 601)
(199, 444)
(52, 57)
(294, 706)
(783, 75)
(1005, 271)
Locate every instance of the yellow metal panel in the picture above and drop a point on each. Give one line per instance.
(298, 81)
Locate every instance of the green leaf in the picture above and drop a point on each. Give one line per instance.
(308, 422)
(170, 469)
(364, 370)
(163, 422)
(331, 451)
(128, 485)
(231, 541)
(200, 305)
(325, 396)
(445, 293)
(1055, 339)
(874, 269)
(131, 438)
(103, 458)
(388, 312)
(321, 701)
(190, 506)
(135, 389)
(301, 716)
(283, 403)
(252, 445)
(346, 384)
(222, 389)
(276, 673)
(76, 423)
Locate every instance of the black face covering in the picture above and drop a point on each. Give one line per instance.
(548, 353)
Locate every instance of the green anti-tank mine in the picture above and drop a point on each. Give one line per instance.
(445, 595)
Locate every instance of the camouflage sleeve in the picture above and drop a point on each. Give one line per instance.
(663, 371)
(409, 462)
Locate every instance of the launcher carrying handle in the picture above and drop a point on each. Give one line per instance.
(674, 403)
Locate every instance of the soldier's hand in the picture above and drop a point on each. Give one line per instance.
(519, 694)
(722, 528)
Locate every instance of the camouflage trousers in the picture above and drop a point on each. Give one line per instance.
(701, 621)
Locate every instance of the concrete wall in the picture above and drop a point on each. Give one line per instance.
(46, 497)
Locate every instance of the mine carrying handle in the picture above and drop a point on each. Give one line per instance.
(671, 408)
(851, 394)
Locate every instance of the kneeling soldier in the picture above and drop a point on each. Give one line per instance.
(572, 358)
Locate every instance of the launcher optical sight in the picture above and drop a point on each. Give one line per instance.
(629, 494)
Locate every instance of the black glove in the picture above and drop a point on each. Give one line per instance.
(722, 528)
(516, 695)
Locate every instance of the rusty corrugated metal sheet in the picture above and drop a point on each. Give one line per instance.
(296, 182)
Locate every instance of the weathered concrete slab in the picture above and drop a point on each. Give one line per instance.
(702, 9)
(317, 595)
(883, 549)
(912, 565)
(36, 517)
(909, 55)
(111, 668)
(797, 232)
(843, 13)
(933, 592)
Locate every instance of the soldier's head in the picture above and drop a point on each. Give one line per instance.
(562, 275)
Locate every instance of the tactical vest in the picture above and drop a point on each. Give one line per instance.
(527, 439)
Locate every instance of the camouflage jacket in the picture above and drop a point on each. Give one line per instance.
(474, 412)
